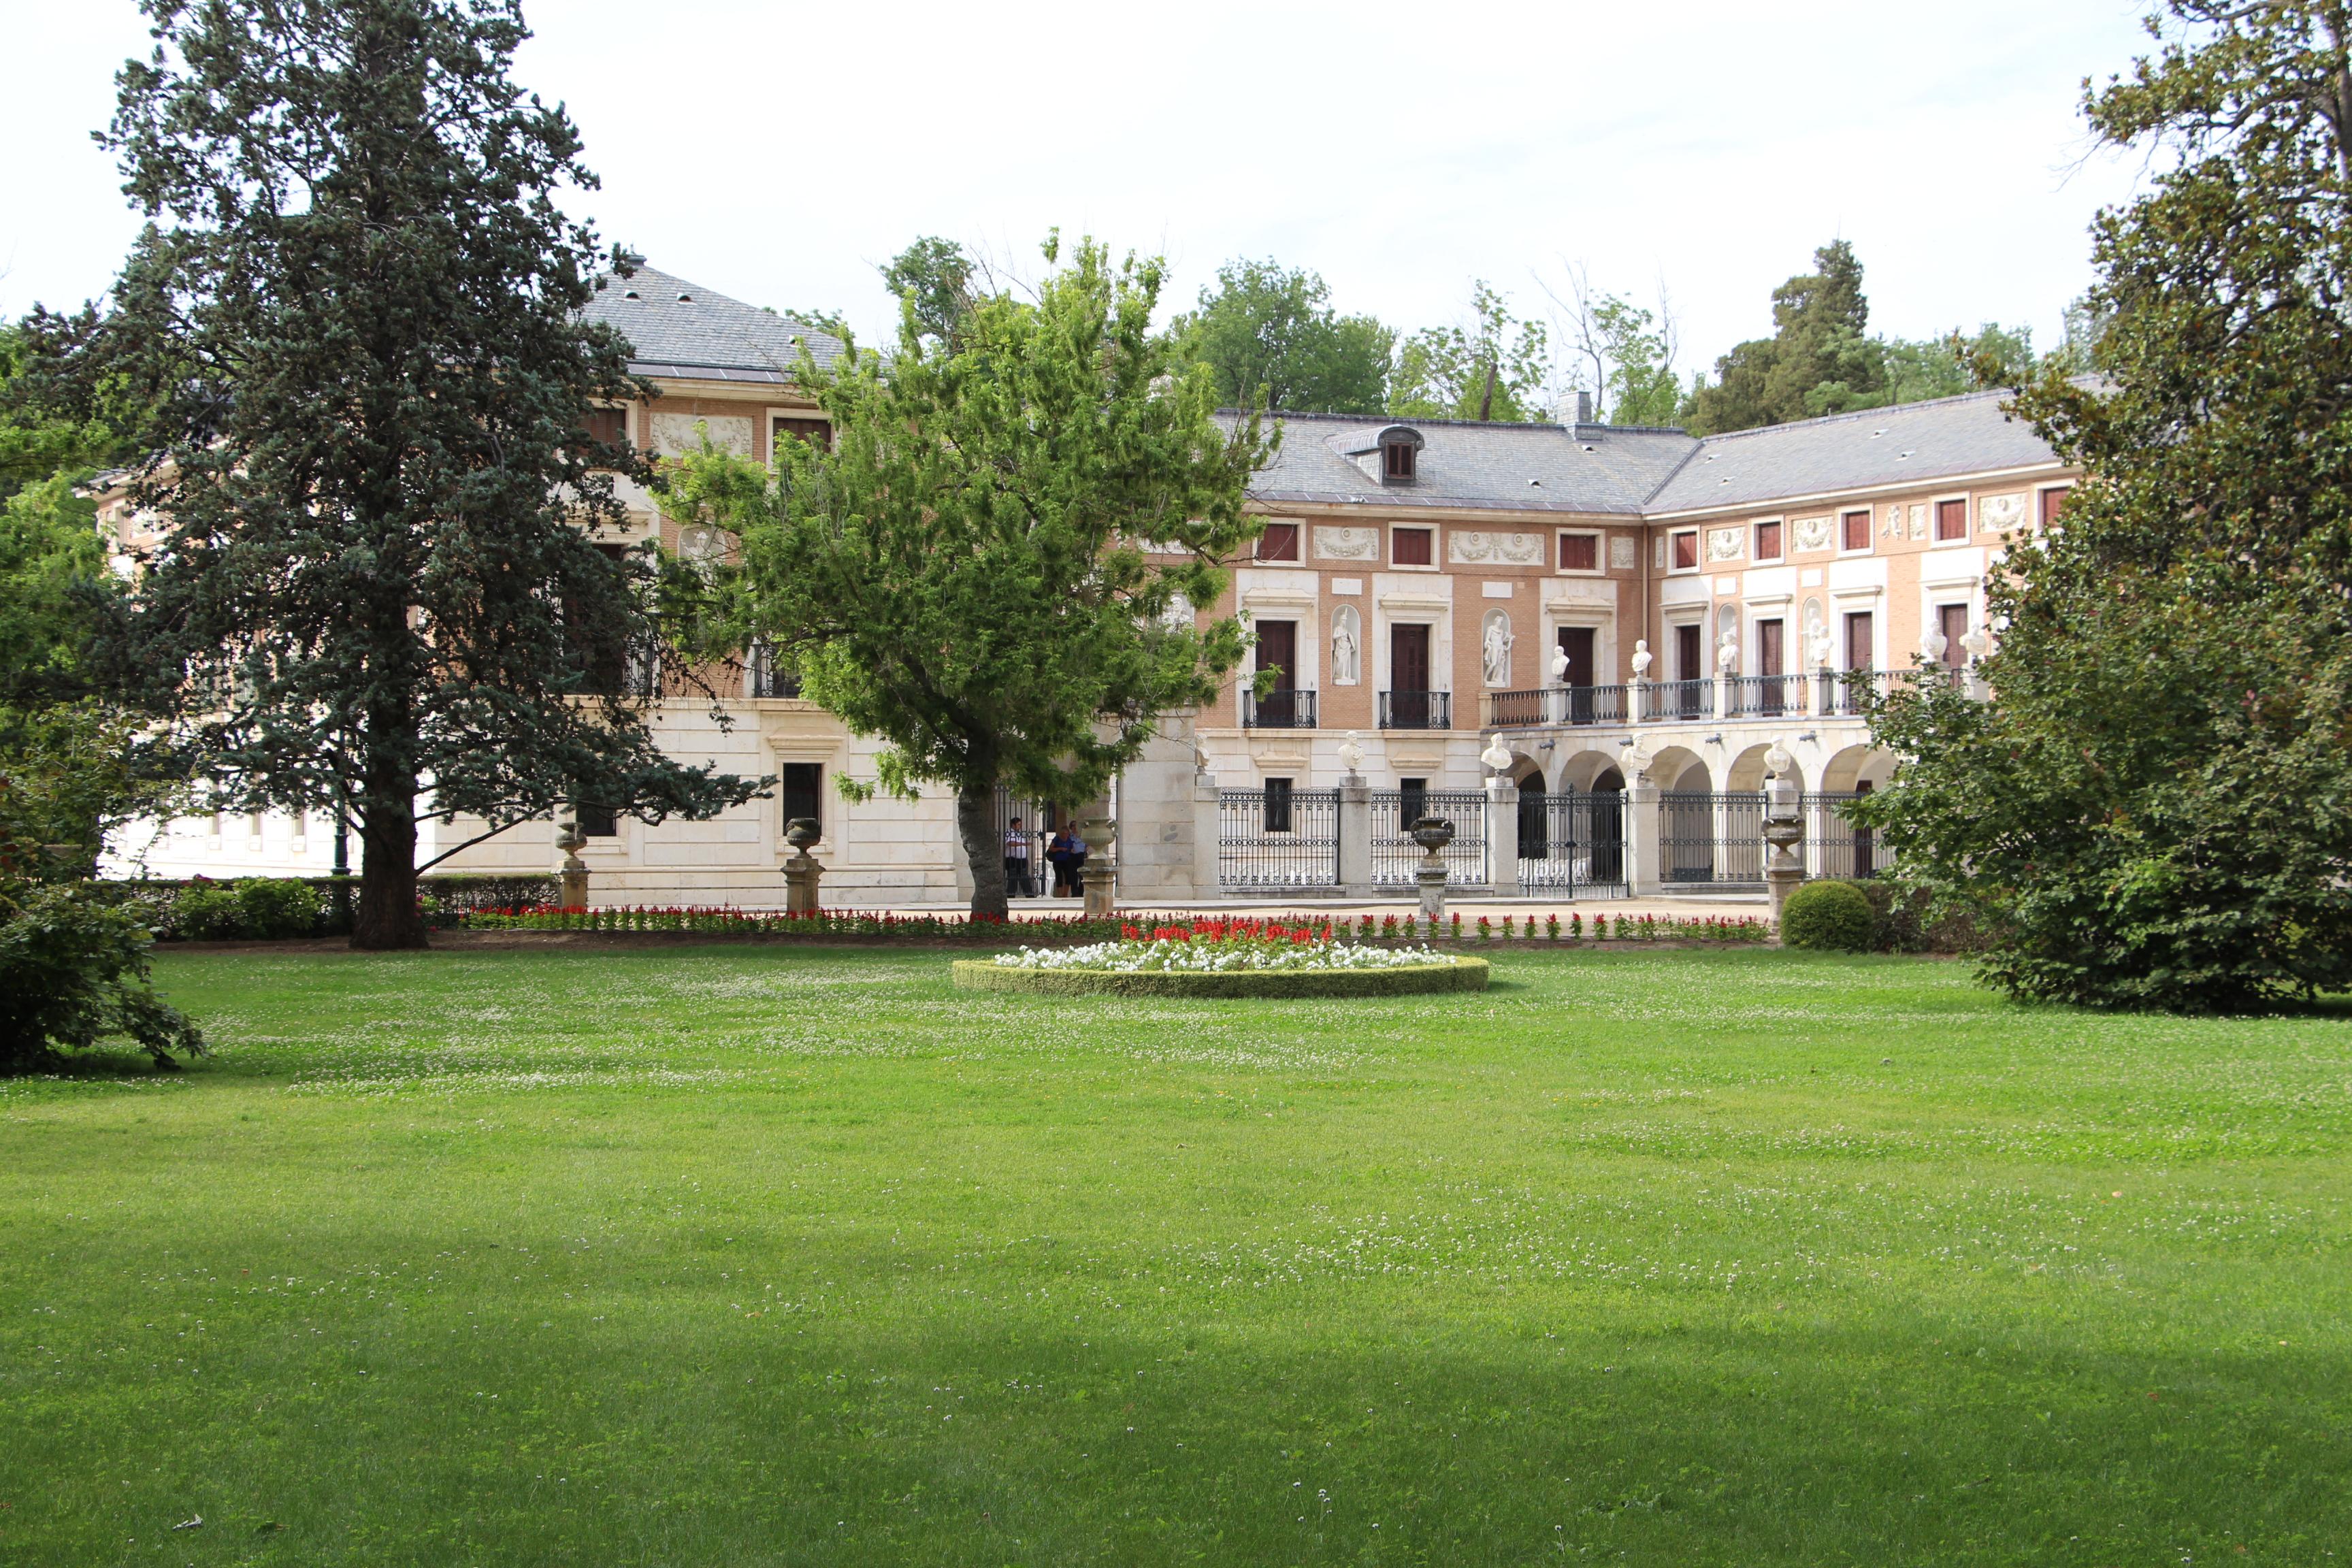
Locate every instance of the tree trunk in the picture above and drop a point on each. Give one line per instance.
(387, 916)
(984, 850)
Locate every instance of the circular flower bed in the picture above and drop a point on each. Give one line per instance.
(1224, 958)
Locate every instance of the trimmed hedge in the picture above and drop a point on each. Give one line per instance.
(267, 909)
(1830, 916)
(1461, 974)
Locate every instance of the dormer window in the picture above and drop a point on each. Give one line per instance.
(1399, 455)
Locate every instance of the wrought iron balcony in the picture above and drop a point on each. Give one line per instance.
(1678, 699)
(1416, 710)
(1277, 709)
(1559, 705)
(1765, 696)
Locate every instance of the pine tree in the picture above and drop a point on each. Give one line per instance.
(355, 311)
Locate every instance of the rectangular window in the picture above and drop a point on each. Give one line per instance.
(1409, 657)
(1686, 551)
(2053, 502)
(801, 789)
(1951, 520)
(1952, 620)
(1858, 639)
(1576, 645)
(1278, 543)
(1768, 648)
(1410, 546)
(1396, 460)
(609, 426)
(1767, 541)
(1579, 552)
(815, 432)
(253, 826)
(1277, 805)
(1690, 653)
(1854, 530)
(1413, 796)
(1278, 650)
(596, 821)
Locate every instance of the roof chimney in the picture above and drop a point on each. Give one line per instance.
(1583, 407)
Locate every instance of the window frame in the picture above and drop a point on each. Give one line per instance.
(1869, 515)
(1698, 560)
(1400, 462)
(1297, 531)
(1935, 505)
(1428, 532)
(2043, 513)
(1779, 527)
(1600, 567)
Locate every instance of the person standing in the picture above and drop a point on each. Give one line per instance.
(1077, 877)
(1016, 863)
(1058, 855)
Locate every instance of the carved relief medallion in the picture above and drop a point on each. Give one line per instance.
(677, 435)
(1472, 547)
(1810, 533)
(1724, 543)
(1998, 514)
(1348, 544)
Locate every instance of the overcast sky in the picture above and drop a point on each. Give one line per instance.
(777, 153)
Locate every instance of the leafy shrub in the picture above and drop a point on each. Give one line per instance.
(272, 908)
(1832, 917)
(73, 971)
(207, 912)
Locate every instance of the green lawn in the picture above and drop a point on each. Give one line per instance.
(735, 1256)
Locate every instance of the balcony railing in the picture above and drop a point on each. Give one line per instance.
(1559, 705)
(1765, 696)
(1277, 710)
(1678, 699)
(1416, 710)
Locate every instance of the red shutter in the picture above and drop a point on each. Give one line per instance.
(1951, 520)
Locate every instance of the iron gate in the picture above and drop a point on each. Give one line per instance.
(1277, 840)
(1842, 847)
(1395, 857)
(1714, 836)
(1572, 843)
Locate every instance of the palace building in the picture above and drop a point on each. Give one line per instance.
(1630, 620)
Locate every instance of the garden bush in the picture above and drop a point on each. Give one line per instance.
(272, 908)
(206, 911)
(73, 971)
(1834, 917)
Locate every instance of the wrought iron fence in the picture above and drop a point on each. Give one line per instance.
(1395, 857)
(1027, 873)
(1766, 696)
(1678, 699)
(1559, 705)
(1277, 840)
(1572, 843)
(1839, 846)
(1277, 709)
(1711, 836)
(1416, 710)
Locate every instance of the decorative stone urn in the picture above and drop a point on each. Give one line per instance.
(1100, 876)
(1784, 830)
(804, 876)
(574, 873)
(1433, 834)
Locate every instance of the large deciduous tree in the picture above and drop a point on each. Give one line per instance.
(994, 567)
(356, 312)
(1499, 367)
(1272, 340)
(2156, 809)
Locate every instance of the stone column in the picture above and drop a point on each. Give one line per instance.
(1784, 830)
(1645, 856)
(1503, 835)
(1356, 836)
(1206, 831)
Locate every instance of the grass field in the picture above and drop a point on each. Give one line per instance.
(731, 1255)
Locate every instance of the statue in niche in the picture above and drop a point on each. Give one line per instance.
(1495, 648)
(1346, 652)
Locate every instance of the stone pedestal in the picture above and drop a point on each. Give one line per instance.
(1356, 838)
(1100, 875)
(1502, 836)
(574, 873)
(1645, 873)
(1432, 882)
(803, 874)
(1784, 830)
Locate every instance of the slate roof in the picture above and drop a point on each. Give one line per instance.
(1636, 471)
(1908, 444)
(1469, 465)
(681, 329)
